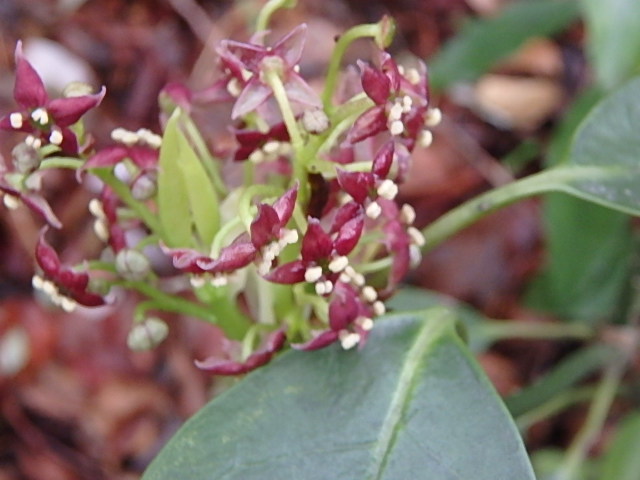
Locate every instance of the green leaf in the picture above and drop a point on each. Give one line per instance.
(412, 402)
(186, 196)
(613, 39)
(565, 375)
(484, 42)
(173, 195)
(621, 461)
(203, 201)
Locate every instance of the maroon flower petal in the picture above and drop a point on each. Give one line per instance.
(299, 91)
(375, 83)
(233, 257)
(349, 235)
(265, 227)
(345, 213)
(35, 202)
(253, 95)
(46, 256)
(370, 123)
(343, 309)
(390, 69)
(323, 340)
(28, 91)
(107, 157)
(288, 273)
(356, 184)
(285, 205)
(67, 111)
(291, 45)
(383, 160)
(316, 243)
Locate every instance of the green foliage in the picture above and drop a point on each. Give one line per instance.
(621, 461)
(414, 400)
(484, 42)
(187, 200)
(614, 39)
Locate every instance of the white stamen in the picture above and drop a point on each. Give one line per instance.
(425, 138)
(373, 210)
(272, 146)
(40, 115)
(388, 189)
(219, 280)
(401, 69)
(348, 340)
(37, 282)
(68, 304)
(124, 136)
(407, 103)
(234, 88)
(50, 289)
(407, 214)
(10, 201)
(344, 278)
(95, 207)
(416, 236)
(246, 74)
(296, 68)
(338, 264)
(415, 256)
(288, 237)
(324, 288)
(15, 120)
(396, 128)
(101, 230)
(379, 308)
(150, 138)
(197, 281)
(413, 76)
(33, 141)
(365, 323)
(55, 137)
(369, 294)
(257, 156)
(313, 274)
(395, 113)
(434, 117)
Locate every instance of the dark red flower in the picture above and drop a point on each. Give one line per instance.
(33, 200)
(65, 286)
(47, 120)
(220, 366)
(248, 61)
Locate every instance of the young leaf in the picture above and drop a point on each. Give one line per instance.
(412, 402)
(483, 43)
(173, 193)
(203, 201)
(613, 39)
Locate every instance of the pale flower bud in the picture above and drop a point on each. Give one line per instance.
(132, 265)
(148, 334)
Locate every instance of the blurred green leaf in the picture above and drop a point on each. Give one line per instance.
(173, 193)
(613, 39)
(412, 403)
(484, 42)
(567, 373)
(621, 461)
(203, 200)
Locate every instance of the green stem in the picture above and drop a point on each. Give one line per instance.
(61, 162)
(262, 22)
(556, 405)
(499, 330)
(551, 180)
(275, 82)
(588, 434)
(172, 303)
(331, 78)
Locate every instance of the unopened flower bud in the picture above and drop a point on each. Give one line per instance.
(148, 334)
(132, 264)
(144, 187)
(315, 120)
(386, 32)
(25, 157)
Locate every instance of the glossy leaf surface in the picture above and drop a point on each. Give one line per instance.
(412, 404)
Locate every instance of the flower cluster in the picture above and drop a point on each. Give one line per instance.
(292, 237)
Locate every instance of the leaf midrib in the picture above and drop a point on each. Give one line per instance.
(429, 333)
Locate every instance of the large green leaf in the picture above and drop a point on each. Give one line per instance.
(613, 39)
(621, 461)
(412, 404)
(484, 42)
